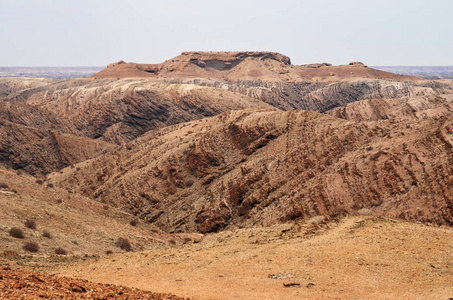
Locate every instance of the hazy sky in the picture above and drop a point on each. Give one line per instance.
(98, 32)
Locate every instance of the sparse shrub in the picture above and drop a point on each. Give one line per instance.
(124, 244)
(31, 247)
(59, 201)
(39, 181)
(50, 185)
(70, 192)
(30, 224)
(172, 242)
(75, 242)
(106, 207)
(108, 252)
(46, 234)
(187, 240)
(4, 185)
(60, 251)
(133, 222)
(14, 191)
(16, 232)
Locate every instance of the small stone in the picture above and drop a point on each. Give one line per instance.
(77, 288)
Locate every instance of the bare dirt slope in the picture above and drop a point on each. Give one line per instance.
(356, 258)
(245, 168)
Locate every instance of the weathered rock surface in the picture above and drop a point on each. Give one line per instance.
(245, 168)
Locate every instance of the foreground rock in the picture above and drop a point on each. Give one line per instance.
(20, 284)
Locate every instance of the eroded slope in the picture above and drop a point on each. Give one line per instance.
(244, 168)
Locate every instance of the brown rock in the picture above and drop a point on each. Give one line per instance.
(77, 288)
(54, 287)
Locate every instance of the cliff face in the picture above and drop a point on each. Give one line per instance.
(246, 168)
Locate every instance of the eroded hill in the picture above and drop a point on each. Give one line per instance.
(245, 168)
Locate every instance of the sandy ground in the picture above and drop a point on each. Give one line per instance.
(354, 258)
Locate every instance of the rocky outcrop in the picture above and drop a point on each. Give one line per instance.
(246, 168)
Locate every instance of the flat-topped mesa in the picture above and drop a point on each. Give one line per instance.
(242, 65)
